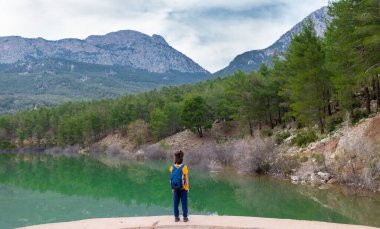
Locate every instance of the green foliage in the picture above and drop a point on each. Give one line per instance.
(281, 136)
(304, 138)
(7, 146)
(173, 112)
(158, 123)
(85, 82)
(195, 114)
(352, 47)
(266, 132)
(308, 83)
(319, 158)
(357, 115)
(313, 74)
(333, 122)
(254, 97)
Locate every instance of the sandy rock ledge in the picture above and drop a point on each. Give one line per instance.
(196, 221)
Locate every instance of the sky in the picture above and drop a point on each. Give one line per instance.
(211, 33)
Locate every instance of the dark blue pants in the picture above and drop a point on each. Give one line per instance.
(180, 196)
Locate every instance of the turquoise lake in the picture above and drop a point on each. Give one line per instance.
(36, 189)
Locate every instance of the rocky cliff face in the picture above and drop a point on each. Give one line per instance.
(126, 48)
(251, 60)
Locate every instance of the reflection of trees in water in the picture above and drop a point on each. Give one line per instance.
(363, 207)
(267, 197)
(126, 183)
(75, 176)
(223, 193)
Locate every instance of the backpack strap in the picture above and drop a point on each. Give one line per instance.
(181, 167)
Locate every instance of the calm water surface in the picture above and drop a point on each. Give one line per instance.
(44, 189)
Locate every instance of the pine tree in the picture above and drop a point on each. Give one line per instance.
(159, 124)
(246, 92)
(195, 114)
(352, 49)
(308, 81)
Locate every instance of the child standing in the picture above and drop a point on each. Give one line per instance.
(179, 181)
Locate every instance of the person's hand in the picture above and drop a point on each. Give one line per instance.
(172, 190)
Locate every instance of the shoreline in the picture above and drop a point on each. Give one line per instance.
(196, 221)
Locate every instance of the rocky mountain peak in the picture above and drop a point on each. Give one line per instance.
(251, 60)
(125, 47)
(159, 40)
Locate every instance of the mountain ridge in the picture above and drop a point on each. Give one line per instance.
(125, 47)
(250, 60)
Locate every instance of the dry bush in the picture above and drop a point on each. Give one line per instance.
(224, 154)
(209, 155)
(201, 156)
(253, 155)
(283, 164)
(138, 132)
(155, 152)
(358, 161)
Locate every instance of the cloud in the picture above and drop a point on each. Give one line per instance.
(212, 33)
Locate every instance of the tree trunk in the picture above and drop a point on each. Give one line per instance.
(321, 125)
(270, 113)
(373, 84)
(336, 107)
(367, 100)
(279, 116)
(200, 132)
(378, 92)
(329, 109)
(250, 128)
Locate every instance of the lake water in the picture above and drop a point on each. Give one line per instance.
(45, 189)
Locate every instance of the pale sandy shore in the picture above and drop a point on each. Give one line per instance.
(196, 221)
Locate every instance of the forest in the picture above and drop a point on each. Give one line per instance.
(318, 82)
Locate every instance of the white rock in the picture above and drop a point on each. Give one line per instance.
(294, 178)
(324, 176)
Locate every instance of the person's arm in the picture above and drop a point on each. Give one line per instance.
(187, 181)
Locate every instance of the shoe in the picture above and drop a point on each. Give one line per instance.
(185, 219)
(176, 219)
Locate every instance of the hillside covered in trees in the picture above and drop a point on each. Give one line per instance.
(317, 83)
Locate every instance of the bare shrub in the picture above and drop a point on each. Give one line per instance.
(138, 132)
(357, 160)
(201, 156)
(155, 152)
(210, 155)
(253, 155)
(224, 154)
(283, 164)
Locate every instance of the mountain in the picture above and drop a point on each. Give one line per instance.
(126, 48)
(39, 72)
(34, 83)
(251, 60)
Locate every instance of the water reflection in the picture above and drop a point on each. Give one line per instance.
(135, 184)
